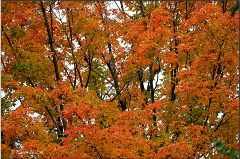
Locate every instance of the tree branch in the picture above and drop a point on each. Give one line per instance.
(50, 41)
(96, 73)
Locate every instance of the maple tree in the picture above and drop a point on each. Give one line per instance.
(97, 82)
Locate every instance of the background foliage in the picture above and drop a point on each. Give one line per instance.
(149, 79)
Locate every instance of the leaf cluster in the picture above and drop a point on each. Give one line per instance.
(226, 151)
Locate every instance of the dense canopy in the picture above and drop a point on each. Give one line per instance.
(126, 79)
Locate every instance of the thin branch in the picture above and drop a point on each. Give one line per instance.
(3, 64)
(220, 122)
(97, 151)
(90, 68)
(71, 45)
(50, 41)
(68, 76)
(128, 82)
(96, 72)
(141, 8)
(15, 55)
(107, 92)
(75, 75)
(58, 129)
(37, 33)
(10, 44)
(117, 5)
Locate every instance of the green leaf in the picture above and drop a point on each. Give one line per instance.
(33, 2)
(222, 154)
(220, 146)
(235, 8)
(227, 151)
(233, 151)
(237, 156)
(216, 141)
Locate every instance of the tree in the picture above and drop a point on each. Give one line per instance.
(149, 79)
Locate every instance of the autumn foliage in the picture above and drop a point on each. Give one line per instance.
(144, 80)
